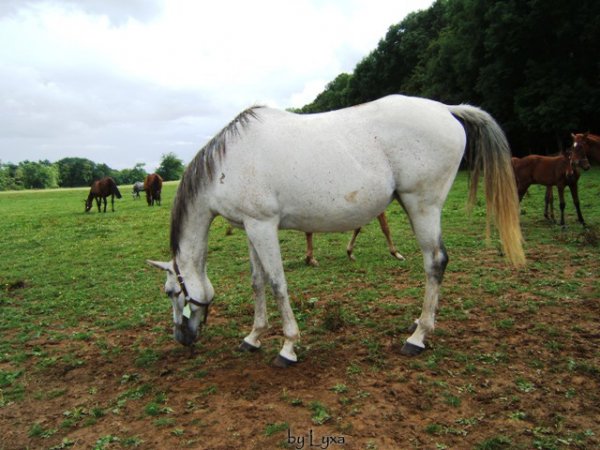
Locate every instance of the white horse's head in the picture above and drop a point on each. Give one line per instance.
(190, 299)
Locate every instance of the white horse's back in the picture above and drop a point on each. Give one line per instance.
(336, 171)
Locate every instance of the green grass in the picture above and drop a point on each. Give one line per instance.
(76, 296)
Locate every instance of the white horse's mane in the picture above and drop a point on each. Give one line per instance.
(201, 169)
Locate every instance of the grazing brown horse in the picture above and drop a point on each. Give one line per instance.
(311, 261)
(153, 186)
(560, 171)
(100, 190)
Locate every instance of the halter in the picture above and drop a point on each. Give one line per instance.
(186, 295)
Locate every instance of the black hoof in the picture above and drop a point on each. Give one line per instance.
(283, 363)
(412, 328)
(245, 347)
(409, 349)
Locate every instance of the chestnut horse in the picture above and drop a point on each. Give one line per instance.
(590, 143)
(311, 260)
(591, 146)
(560, 171)
(153, 186)
(100, 190)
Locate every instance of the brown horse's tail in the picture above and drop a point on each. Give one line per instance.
(115, 190)
(488, 152)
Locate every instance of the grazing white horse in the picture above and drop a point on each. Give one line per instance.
(335, 171)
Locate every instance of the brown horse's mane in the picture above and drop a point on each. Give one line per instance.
(202, 169)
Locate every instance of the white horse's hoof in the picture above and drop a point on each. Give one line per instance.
(283, 363)
(246, 347)
(409, 349)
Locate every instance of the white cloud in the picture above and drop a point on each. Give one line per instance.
(125, 82)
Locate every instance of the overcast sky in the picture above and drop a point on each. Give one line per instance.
(123, 82)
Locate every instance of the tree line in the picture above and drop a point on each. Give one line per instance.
(76, 172)
(532, 64)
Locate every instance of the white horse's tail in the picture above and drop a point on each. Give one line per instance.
(488, 152)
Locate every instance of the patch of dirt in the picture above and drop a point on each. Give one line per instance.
(512, 371)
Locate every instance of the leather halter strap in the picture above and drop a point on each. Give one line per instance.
(186, 295)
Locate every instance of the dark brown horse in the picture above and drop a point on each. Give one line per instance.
(560, 171)
(311, 261)
(153, 187)
(100, 190)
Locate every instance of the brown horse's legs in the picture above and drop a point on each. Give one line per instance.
(549, 205)
(386, 232)
(310, 260)
(522, 191)
(575, 195)
(561, 196)
(98, 203)
(112, 202)
(350, 246)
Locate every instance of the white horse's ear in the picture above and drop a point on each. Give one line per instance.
(168, 266)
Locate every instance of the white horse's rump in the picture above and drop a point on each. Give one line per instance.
(335, 171)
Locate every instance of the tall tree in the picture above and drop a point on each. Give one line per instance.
(75, 172)
(170, 167)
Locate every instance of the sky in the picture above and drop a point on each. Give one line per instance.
(123, 82)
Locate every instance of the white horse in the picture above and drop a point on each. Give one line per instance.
(138, 187)
(335, 171)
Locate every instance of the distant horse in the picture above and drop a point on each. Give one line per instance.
(311, 260)
(138, 187)
(335, 171)
(153, 187)
(591, 146)
(560, 171)
(100, 190)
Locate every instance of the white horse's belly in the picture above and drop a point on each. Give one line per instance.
(334, 209)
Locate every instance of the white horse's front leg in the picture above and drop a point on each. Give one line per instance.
(261, 324)
(263, 237)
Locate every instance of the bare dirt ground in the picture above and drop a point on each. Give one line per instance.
(519, 371)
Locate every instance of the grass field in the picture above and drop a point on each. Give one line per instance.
(87, 359)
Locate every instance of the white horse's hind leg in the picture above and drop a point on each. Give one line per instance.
(261, 324)
(263, 237)
(425, 221)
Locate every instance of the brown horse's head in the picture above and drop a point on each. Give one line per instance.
(88, 204)
(579, 150)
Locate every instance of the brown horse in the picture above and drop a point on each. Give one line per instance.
(311, 261)
(560, 171)
(591, 146)
(100, 190)
(153, 187)
(590, 143)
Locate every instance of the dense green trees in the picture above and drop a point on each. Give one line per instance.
(78, 172)
(531, 63)
(68, 172)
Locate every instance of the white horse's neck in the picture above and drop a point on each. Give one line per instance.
(193, 239)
